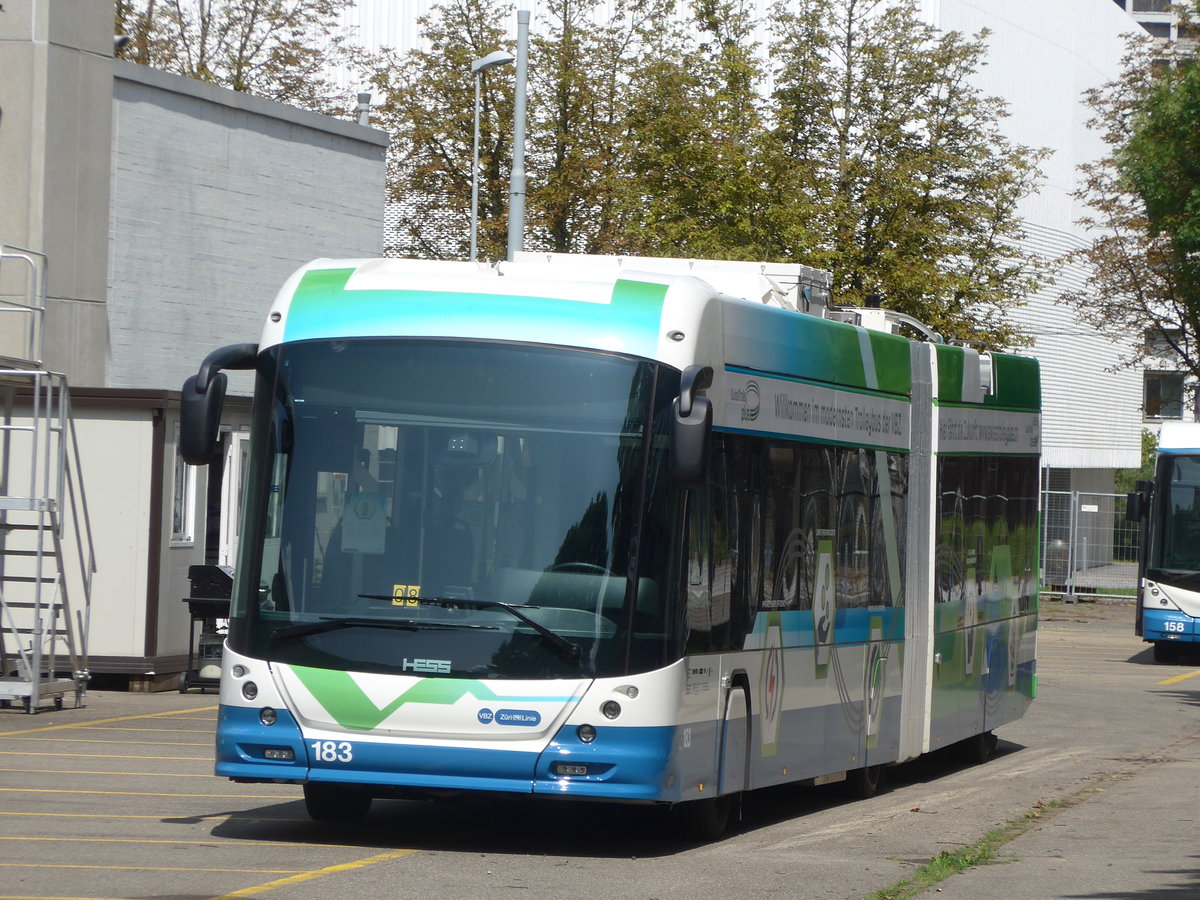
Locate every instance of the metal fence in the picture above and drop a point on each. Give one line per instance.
(1089, 550)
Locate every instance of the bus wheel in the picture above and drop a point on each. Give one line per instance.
(336, 802)
(980, 748)
(701, 820)
(1166, 652)
(864, 783)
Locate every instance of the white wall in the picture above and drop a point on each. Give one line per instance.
(216, 198)
(1042, 57)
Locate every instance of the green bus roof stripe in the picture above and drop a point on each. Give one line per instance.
(950, 371)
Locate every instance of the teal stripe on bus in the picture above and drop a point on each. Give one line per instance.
(323, 308)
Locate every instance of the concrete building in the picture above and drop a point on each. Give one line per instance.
(170, 211)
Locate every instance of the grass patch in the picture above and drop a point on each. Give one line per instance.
(949, 862)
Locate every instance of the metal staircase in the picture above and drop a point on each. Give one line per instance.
(46, 553)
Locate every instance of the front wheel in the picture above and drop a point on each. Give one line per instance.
(702, 820)
(1166, 651)
(336, 802)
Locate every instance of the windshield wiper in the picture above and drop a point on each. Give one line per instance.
(306, 628)
(569, 650)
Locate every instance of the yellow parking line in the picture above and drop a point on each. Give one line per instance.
(93, 840)
(316, 873)
(158, 715)
(110, 772)
(1183, 677)
(43, 753)
(144, 794)
(10, 865)
(30, 740)
(230, 817)
(153, 730)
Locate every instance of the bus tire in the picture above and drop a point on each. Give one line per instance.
(336, 802)
(980, 748)
(1166, 651)
(701, 820)
(862, 784)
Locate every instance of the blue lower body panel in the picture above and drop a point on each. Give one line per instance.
(628, 764)
(1168, 625)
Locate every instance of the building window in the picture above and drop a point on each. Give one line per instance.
(1163, 395)
(183, 499)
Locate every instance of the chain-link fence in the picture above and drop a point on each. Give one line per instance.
(1088, 548)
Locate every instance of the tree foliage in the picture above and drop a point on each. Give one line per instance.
(902, 162)
(1143, 202)
(282, 50)
(856, 142)
(428, 106)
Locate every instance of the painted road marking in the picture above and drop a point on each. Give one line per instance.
(9, 865)
(93, 840)
(317, 873)
(154, 730)
(216, 817)
(1183, 677)
(144, 794)
(110, 772)
(33, 740)
(158, 715)
(42, 753)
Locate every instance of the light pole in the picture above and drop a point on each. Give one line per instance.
(516, 192)
(478, 67)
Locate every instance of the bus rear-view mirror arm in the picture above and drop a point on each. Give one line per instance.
(692, 417)
(203, 398)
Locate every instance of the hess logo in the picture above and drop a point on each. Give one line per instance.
(426, 666)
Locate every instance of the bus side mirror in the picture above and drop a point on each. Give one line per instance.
(203, 398)
(691, 421)
(1137, 504)
(1133, 507)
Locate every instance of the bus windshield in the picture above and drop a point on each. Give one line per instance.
(1176, 552)
(456, 508)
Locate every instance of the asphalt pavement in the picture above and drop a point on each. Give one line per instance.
(1102, 779)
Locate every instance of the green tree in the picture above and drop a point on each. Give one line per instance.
(698, 180)
(578, 93)
(1143, 280)
(901, 163)
(1126, 479)
(428, 106)
(1144, 200)
(282, 50)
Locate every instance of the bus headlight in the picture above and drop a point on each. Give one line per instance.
(611, 709)
(249, 690)
(267, 716)
(586, 733)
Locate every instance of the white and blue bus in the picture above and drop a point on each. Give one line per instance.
(1168, 600)
(638, 530)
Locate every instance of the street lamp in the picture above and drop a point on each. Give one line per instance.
(478, 67)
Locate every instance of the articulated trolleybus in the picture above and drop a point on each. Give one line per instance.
(638, 530)
(1168, 604)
